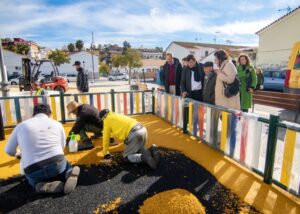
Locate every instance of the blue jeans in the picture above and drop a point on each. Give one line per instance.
(51, 172)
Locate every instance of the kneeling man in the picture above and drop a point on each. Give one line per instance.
(134, 136)
(41, 142)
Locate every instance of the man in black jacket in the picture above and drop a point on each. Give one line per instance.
(209, 83)
(82, 81)
(87, 120)
(171, 75)
(192, 79)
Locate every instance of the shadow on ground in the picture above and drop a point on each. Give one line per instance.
(132, 183)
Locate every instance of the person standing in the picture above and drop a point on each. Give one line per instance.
(82, 81)
(209, 83)
(158, 79)
(248, 80)
(226, 74)
(260, 79)
(41, 142)
(192, 79)
(184, 63)
(171, 75)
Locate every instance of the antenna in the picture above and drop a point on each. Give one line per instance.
(287, 9)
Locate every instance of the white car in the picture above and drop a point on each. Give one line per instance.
(119, 76)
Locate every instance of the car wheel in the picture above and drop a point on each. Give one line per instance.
(13, 83)
(124, 79)
(59, 88)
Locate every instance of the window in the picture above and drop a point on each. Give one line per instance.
(267, 73)
(17, 68)
(206, 53)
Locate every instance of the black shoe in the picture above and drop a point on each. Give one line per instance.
(85, 145)
(148, 159)
(154, 152)
(96, 136)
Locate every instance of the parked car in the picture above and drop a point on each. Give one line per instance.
(119, 76)
(70, 77)
(274, 79)
(14, 81)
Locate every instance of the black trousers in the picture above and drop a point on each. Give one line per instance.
(196, 95)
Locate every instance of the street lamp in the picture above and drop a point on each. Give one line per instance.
(4, 82)
(215, 39)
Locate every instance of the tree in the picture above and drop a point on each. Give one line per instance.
(118, 61)
(11, 48)
(126, 45)
(104, 68)
(132, 60)
(159, 49)
(79, 45)
(71, 47)
(22, 49)
(59, 57)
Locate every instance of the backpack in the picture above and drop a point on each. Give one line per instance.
(232, 89)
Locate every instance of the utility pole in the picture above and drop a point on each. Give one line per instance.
(4, 82)
(93, 56)
(215, 39)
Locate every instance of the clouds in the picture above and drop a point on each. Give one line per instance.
(147, 22)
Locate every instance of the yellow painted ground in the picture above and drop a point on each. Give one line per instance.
(247, 185)
(172, 201)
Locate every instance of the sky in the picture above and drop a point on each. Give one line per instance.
(147, 23)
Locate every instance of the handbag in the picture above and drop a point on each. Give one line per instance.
(232, 89)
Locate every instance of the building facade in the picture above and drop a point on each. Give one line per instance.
(151, 54)
(277, 39)
(89, 62)
(204, 52)
(13, 62)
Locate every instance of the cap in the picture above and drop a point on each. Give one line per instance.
(76, 63)
(208, 64)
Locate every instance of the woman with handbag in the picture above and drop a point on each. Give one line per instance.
(226, 90)
(248, 79)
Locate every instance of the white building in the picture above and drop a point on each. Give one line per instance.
(87, 61)
(151, 54)
(205, 52)
(277, 39)
(13, 62)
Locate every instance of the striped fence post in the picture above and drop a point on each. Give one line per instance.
(2, 134)
(143, 102)
(18, 110)
(153, 101)
(185, 116)
(62, 107)
(271, 149)
(113, 107)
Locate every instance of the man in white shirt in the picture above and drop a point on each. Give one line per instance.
(41, 142)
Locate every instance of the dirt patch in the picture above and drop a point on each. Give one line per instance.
(132, 184)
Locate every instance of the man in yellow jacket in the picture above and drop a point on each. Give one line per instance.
(134, 136)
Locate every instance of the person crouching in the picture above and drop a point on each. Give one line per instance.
(134, 136)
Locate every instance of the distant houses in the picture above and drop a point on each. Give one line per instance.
(204, 52)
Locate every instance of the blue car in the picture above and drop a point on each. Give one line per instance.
(274, 80)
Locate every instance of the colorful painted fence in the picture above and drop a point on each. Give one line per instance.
(244, 137)
(18, 109)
